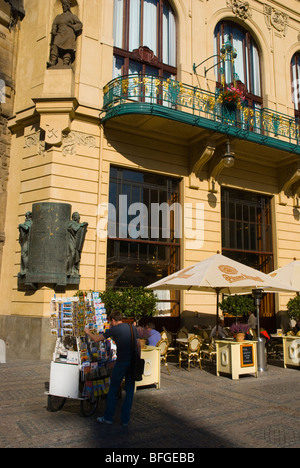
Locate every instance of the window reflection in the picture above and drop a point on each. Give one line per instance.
(247, 63)
(247, 234)
(134, 257)
(148, 25)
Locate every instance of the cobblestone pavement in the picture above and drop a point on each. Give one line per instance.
(192, 409)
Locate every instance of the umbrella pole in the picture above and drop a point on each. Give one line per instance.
(217, 324)
(258, 295)
(261, 350)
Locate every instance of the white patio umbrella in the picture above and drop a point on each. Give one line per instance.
(288, 274)
(220, 274)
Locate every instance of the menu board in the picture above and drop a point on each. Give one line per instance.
(247, 356)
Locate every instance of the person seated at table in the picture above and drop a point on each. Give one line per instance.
(155, 336)
(296, 328)
(222, 333)
(252, 321)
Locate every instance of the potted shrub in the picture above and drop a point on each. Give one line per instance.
(231, 98)
(293, 308)
(238, 306)
(133, 302)
(239, 330)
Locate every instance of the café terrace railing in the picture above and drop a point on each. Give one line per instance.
(136, 94)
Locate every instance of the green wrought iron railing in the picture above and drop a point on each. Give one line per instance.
(177, 101)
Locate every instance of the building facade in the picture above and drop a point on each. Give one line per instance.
(132, 128)
(11, 14)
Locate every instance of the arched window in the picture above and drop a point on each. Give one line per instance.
(295, 76)
(144, 38)
(247, 63)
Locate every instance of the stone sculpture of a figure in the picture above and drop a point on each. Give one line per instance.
(24, 236)
(76, 232)
(65, 29)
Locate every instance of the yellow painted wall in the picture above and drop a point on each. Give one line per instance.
(78, 173)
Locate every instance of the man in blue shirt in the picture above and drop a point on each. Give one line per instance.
(121, 334)
(155, 336)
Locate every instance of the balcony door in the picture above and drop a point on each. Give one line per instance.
(247, 64)
(144, 38)
(295, 76)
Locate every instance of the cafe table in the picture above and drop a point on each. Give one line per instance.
(183, 341)
(236, 358)
(151, 375)
(291, 350)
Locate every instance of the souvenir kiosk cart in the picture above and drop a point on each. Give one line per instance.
(80, 369)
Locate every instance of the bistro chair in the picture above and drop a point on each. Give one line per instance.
(209, 349)
(182, 333)
(192, 351)
(203, 334)
(164, 335)
(163, 345)
(169, 337)
(275, 349)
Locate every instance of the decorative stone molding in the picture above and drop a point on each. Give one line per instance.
(289, 182)
(56, 116)
(240, 8)
(201, 157)
(68, 145)
(32, 140)
(35, 139)
(53, 132)
(276, 19)
(17, 12)
(72, 139)
(216, 167)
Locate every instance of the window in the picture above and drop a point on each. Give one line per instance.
(295, 76)
(144, 38)
(247, 233)
(246, 222)
(143, 241)
(247, 63)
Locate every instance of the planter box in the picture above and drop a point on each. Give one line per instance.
(291, 350)
(236, 358)
(151, 375)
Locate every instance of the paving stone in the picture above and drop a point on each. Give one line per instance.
(191, 410)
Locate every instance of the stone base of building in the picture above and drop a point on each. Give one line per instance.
(26, 338)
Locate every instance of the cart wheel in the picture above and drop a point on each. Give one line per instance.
(55, 403)
(88, 406)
